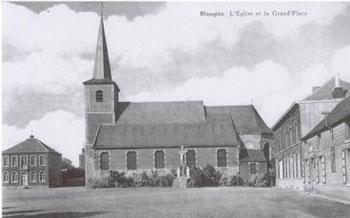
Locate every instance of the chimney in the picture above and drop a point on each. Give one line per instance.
(315, 88)
(338, 91)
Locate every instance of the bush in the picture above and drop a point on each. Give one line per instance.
(101, 182)
(230, 180)
(258, 180)
(207, 176)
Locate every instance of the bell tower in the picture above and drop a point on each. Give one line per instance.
(101, 92)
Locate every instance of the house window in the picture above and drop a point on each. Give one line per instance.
(159, 161)
(343, 155)
(317, 171)
(42, 160)
(221, 158)
(24, 162)
(333, 160)
(297, 165)
(5, 161)
(5, 177)
(323, 167)
(252, 168)
(131, 160)
(191, 158)
(104, 159)
(33, 177)
(14, 177)
(307, 171)
(32, 160)
(99, 96)
(14, 161)
(42, 176)
(280, 166)
(347, 130)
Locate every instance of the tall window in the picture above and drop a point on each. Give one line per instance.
(14, 177)
(5, 161)
(347, 130)
(323, 166)
(32, 160)
(33, 177)
(99, 96)
(333, 159)
(221, 158)
(131, 160)
(343, 155)
(24, 162)
(191, 158)
(280, 166)
(104, 158)
(42, 160)
(317, 171)
(5, 177)
(14, 161)
(42, 176)
(252, 168)
(159, 159)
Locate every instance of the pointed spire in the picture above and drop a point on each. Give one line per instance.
(102, 69)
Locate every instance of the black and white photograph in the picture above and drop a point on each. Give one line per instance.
(175, 109)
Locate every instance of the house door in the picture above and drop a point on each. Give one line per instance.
(24, 179)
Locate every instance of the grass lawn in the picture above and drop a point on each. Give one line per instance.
(168, 202)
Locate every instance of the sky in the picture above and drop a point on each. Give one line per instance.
(162, 52)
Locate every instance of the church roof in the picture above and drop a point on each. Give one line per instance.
(325, 91)
(212, 133)
(160, 112)
(31, 145)
(245, 117)
(251, 155)
(339, 114)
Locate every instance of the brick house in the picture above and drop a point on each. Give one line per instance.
(327, 154)
(143, 136)
(295, 123)
(31, 163)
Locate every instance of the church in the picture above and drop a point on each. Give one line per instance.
(134, 137)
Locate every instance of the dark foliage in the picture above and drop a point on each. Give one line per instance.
(207, 176)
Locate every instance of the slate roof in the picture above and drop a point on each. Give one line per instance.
(251, 155)
(218, 130)
(325, 91)
(30, 145)
(160, 112)
(340, 113)
(245, 117)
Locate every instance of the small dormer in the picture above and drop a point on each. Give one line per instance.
(338, 91)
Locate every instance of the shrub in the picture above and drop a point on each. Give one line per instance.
(257, 180)
(101, 182)
(207, 176)
(230, 180)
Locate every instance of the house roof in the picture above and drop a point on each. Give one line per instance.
(160, 112)
(251, 155)
(218, 130)
(325, 91)
(245, 117)
(340, 113)
(30, 145)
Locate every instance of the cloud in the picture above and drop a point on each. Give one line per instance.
(341, 62)
(58, 129)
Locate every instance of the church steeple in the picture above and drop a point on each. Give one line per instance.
(102, 69)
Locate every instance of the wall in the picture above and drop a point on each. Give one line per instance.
(55, 164)
(244, 169)
(251, 141)
(314, 149)
(145, 159)
(35, 168)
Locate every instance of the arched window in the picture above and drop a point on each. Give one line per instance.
(104, 158)
(33, 177)
(191, 158)
(221, 158)
(14, 177)
(131, 160)
(5, 177)
(159, 160)
(99, 96)
(42, 176)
